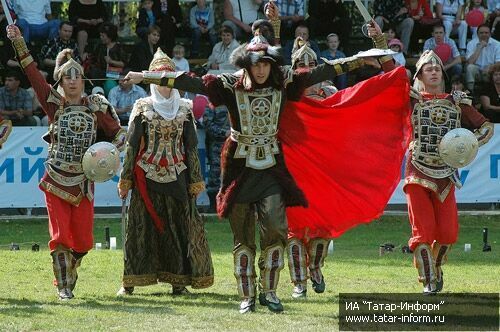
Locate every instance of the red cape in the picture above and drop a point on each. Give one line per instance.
(345, 152)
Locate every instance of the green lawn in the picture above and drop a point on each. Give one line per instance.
(28, 301)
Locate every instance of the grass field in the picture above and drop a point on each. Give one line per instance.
(28, 301)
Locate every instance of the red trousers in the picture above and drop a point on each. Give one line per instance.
(70, 226)
(430, 219)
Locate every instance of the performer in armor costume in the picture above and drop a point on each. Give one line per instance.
(165, 236)
(256, 185)
(306, 256)
(5, 129)
(75, 123)
(429, 181)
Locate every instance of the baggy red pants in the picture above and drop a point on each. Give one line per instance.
(70, 226)
(431, 220)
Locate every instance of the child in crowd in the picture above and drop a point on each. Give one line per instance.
(201, 20)
(181, 64)
(146, 19)
(397, 46)
(390, 33)
(332, 53)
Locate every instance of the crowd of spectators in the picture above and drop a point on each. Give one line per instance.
(464, 33)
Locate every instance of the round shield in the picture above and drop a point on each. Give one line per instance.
(101, 162)
(474, 18)
(458, 147)
(443, 51)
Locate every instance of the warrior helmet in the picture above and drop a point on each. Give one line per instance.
(257, 50)
(302, 53)
(66, 66)
(161, 62)
(428, 57)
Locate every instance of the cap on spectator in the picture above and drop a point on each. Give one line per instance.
(98, 90)
(395, 41)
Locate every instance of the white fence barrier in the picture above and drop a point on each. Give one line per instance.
(22, 165)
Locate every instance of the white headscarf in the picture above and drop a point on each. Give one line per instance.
(166, 107)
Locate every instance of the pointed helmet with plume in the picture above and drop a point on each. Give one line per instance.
(66, 66)
(301, 52)
(161, 62)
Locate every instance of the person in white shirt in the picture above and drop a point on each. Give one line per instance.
(219, 59)
(33, 18)
(482, 52)
(239, 15)
(450, 12)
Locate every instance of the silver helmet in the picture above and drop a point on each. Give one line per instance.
(458, 147)
(101, 162)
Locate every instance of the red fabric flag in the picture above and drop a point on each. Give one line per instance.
(345, 152)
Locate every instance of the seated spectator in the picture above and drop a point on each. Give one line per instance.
(143, 52)
(420, 12)
(395, 13)
(168, 17)
(452, 60)
(494, 20)
(303, 32)
(481, 7)
(327, 16)
(490, 96)
(239, 16)
(108, 60)
(87, 17)
(181, 64)
(450, 12)
(482, 52)
(146, 19)
(219, 59)
(53, 47)
(16, 104)
(332, 53)
(201, 20)
(457, 84)
(123, 97)
(291, 14)
(397, 46)
(34, 19)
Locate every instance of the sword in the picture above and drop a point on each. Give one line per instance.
(7, 12)
(366, 15)
(124, 224)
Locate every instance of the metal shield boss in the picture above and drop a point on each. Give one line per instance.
(458, 147)
(101, 162)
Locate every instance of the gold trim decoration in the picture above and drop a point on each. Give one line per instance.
(196, 188)
(484, 133)
(72, 199)
(26, 61)
(202, 282)
(139, 280)
(174, 279)
(125, 184)
(20, 47)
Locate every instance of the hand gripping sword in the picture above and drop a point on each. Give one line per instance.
(364, 12)
(7, 12)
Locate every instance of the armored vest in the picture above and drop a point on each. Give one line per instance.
(259, 114)
(164, 155)
(431, 120)
(71, 134)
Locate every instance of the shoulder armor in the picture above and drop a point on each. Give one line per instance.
(228, 81)
(55, 97)
(98, 103)
(287, 74)
(142, 106)
(460, 97)
(414, 93)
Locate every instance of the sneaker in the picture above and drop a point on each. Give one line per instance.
(125, 291)
(271, 301)
(247, 305)
(176, 290)
(319, 287)
(65, 294)
(299, 292)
